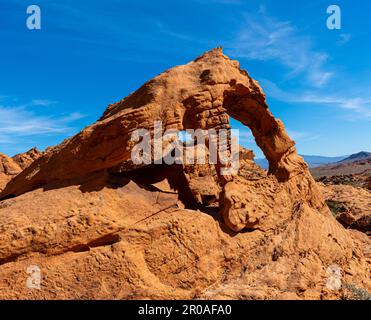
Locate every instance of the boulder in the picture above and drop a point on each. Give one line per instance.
(26, 158)
(8, 170)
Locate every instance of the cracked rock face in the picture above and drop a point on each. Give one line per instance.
(100, 227)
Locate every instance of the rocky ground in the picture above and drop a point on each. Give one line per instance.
(10, 167)
(350, 205)
(346, 187)
(99, 227)
(356, 173)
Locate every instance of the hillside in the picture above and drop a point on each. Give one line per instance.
(363, 155)
(355, 170)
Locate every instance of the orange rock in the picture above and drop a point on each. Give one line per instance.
(99, 227)
(350, 205)
(26, 158)
(182, 98)
(199, 95)
(8, 169)
(104, 239)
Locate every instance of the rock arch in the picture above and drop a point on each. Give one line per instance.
(201, 94)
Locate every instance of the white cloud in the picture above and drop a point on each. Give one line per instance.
(42, 102)
(221, 2)
(265, 38)
(302, 136)
(246, 136)
(225, 1)
(22, 121)
(19, 121)
(21, 127)
(358, 105)
(344, 38)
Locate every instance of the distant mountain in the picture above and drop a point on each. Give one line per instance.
(313, 161)
(363, 155)
(316, 161)
(355, 164)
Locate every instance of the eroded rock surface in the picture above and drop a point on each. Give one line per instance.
(108, 239)
(26, 158)
(199, 95)
(8, 170)
(350, 205)
(100, 227)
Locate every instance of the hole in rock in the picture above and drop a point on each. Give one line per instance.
(247, 142)
(197, 185)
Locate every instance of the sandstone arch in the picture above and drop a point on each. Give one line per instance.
(201, 94)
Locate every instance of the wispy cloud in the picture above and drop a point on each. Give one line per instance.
(344, 38)
(246, 136)
(228, 2)
(169, 32)
(302, 136)
(262, 37)
(42, 102)
(20, 122)
(358, 105)
(21, 126)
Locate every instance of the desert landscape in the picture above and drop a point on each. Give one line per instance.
(98, 226)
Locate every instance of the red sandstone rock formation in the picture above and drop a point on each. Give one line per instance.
(201, 94)
(8, 169)
(350, 205)
(100, 227)
(26, 158)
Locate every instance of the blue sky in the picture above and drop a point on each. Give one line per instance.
(57, 80)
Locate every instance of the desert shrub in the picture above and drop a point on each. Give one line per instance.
(336, 207)
(355, 293)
